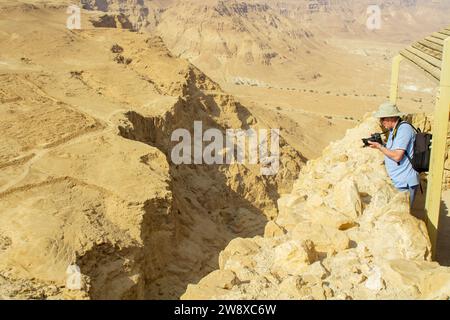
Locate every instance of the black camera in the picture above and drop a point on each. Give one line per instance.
(376, 137)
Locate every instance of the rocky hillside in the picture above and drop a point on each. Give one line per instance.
(343, 232)
(314, 72)
(270, 42)
(86, 177)
(242, 43)
(404, 18)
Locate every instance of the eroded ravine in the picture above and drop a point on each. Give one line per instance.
(212, 204)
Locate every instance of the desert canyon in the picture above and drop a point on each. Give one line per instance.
(86, 176)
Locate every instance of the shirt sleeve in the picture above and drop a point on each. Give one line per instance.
(403, 138)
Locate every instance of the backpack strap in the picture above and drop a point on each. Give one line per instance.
(409, 158)
(395, 134)
(399, 125)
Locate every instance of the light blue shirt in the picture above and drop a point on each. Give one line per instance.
(402, 175)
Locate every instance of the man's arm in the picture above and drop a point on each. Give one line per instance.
(396, 155)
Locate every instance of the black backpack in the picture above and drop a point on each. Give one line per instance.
(422, 149)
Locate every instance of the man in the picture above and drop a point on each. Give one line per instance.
(398, 148)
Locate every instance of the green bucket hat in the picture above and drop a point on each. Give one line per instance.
(387, 110)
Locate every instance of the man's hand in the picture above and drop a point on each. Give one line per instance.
(375, 145)
(396, 155)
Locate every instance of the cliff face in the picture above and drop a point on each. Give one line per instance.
(343, 233)
(127, 14)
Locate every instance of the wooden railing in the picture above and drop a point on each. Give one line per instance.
(431, 55)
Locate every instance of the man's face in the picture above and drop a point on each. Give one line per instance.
(389, 123)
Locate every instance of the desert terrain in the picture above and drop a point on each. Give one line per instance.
(285, 61)
(86, 176)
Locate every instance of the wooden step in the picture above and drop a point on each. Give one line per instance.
(431, 45)
(434, 53)
(425, 56)
(434, 72)
(435, 41)
(445, 32)
(439, 35)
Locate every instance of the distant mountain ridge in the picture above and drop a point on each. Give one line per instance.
(226, 36)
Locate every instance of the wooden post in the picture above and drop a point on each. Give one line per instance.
(440, 127)
(395, 77)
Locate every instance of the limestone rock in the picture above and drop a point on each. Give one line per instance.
(347, 234)
(237, 247)
(326, 239)
(292, 255)
(215, 283)
(375, 281)
(346, 199)
(273, 230)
